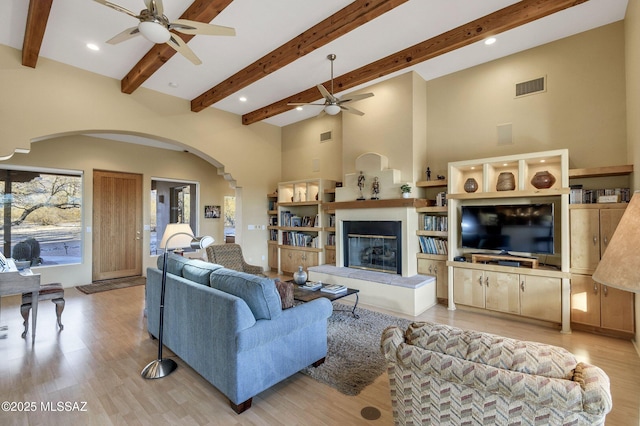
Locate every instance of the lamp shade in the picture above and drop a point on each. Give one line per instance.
(178, 241)
(620, 265)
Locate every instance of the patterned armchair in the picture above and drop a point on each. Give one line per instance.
(230, 256)
(443, 375)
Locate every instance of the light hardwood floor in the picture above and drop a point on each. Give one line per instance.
(98, 357)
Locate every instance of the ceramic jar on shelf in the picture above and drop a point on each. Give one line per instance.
(543, 180)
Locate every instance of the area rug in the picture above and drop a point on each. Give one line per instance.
(354, 360)
(106, 285)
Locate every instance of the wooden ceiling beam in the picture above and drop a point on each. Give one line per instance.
(37, 18)
(201, 11)
(520, 13)
(340, 23)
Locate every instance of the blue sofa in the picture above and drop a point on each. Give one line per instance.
(230, 327)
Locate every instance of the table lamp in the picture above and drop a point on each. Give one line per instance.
(163, 367)
(620, 265)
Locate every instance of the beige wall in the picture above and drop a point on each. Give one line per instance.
(583, 108)
(86, 154)
(390, 126)
(54, 99)
(632, 55)
(304, 156)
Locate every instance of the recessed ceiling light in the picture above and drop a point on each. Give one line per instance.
(92, 46)
(490, 41)
(243, 99)
(542, 161)
(298, 108)
(173, 84)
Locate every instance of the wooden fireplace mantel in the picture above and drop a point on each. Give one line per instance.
(376, 204)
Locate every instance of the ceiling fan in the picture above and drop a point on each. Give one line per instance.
(154, 26)
(332, 104)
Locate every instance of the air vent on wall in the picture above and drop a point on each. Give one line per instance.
(326, 136)
(537, 85)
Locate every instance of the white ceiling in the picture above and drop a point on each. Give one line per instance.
(263, 25)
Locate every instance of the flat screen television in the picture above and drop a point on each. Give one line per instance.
(525, 228)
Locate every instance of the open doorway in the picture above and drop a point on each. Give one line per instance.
(171, 202)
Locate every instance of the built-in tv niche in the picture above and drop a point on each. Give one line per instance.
(373, 245)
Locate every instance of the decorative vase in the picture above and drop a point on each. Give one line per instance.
(506, 182)
(300, 277)
(470, 185)
(406, 195)
(543, 180)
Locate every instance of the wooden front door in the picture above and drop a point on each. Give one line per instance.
(117, 225)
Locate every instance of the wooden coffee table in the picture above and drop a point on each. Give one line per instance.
(303, 295)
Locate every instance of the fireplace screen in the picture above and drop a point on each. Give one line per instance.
(373, 252)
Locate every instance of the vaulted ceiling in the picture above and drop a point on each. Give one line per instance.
(279, 53)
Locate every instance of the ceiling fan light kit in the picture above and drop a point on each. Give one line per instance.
(154, 32)
(332, 109)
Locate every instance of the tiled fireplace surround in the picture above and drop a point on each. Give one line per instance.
(408, 293)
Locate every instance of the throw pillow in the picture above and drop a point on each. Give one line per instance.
(285, 290)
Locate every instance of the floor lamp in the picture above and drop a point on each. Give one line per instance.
(160, 367)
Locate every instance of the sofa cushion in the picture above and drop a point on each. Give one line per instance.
(496, 351)
(259, 293)
(175, 263)
(198, 271)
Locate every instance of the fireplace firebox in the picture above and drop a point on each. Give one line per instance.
(373, 245)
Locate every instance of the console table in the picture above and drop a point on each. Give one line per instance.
(15, 283)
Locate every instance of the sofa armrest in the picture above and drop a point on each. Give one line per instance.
(298, 317)
(595, 386)
(391, 339)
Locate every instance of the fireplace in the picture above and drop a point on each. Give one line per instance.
(373, 245)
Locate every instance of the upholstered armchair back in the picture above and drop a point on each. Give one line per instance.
(230, 256)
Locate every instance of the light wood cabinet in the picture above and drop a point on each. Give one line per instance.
(540, 297)
(600, 308)
(527, 295)
(272, 253)
(591, 229)
(292, 258)
(438, 269)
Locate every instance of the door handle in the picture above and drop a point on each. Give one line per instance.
(522, 285)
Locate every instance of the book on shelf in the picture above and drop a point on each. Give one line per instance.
(333, 288)
(433, 245)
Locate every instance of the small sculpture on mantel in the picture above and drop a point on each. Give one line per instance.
(428, 173)
(375, 189)
(361, 185)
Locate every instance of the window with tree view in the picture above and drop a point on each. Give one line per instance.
(42, 217)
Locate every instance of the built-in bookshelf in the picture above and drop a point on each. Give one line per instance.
(272, 227)
(302, 228)
(592, 185)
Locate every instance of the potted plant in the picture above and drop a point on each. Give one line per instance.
(406, 190)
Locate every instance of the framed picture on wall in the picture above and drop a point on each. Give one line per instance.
(212, 212)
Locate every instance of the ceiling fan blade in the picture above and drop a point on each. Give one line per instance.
(351, 110)
(155, 7)
(186, 26)
(118, 8)
(354, 98)
(325, 93)
(124, 36)
(181, 47)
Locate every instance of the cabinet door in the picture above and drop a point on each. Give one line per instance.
(609, 219)
(307, 259)
(273, 256)
(585, 300)
(585, 240)
(468, 287)
(541, 298)
(502, 292)
(289, 260)
(438, 269)
(616, 309)
(329, 256)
